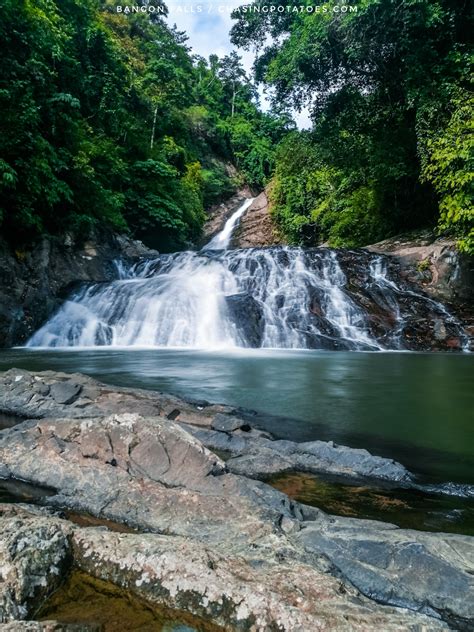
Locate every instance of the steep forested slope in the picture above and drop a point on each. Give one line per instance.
(108, 120)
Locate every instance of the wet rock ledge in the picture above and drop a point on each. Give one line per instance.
(34, 283)
(199, 534)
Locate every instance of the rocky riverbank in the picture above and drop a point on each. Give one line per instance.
(210, 540)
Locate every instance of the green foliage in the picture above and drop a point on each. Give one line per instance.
(107, 120)
(217, 185)
(314, 203)
(388, 90)
(240, 131)
(449, 164)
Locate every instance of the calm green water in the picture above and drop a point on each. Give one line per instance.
(417, 408)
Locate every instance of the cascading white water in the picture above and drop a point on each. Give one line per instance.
(222, 240)
(218, 298)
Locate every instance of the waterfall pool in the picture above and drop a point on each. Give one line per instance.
(416, 408)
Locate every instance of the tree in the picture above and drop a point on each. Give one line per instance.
(232, 76)
(370, 79)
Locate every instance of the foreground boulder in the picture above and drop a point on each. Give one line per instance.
(51, 395)
(34, 556)
(430, 573)
(146, 472)
(270, 590)
(219, 544)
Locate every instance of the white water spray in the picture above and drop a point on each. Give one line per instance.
(222, 240)
(223, 299)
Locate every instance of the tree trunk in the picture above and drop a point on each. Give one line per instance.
(233, 99)
(152, 139)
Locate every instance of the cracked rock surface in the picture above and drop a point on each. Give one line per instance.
(212, 541)
(258, 592)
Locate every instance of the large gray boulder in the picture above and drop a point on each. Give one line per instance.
(427, 572)
(152, 472)
(254, 454)
(147, 472)
(267, 590)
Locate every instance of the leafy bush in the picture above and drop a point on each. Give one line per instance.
(449, 165)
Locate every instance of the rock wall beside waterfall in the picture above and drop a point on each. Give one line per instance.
(256, 228)
(433, 263)
(34, 283)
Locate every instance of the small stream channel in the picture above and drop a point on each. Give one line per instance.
(407, 508)
(104, 607)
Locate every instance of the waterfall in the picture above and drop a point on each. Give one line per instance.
(222, 240)
(277, 297)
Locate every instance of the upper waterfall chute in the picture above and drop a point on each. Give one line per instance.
(221, 241)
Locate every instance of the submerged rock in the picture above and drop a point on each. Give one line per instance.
(49, 626)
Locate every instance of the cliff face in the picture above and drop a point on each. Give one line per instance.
(433, 263)
(34, 283)
(256, 228)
